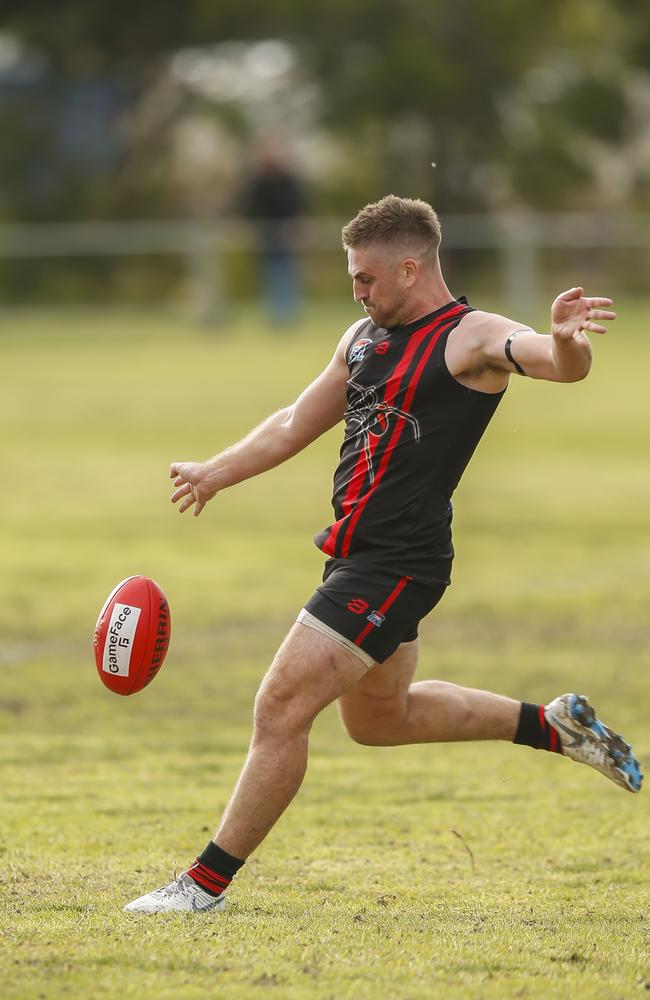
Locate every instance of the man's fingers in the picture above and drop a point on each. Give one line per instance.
(185, 494)
(593, 315)
(572, 293)
(183, 491)
(598, 302)
(601, 314)
(186, 503)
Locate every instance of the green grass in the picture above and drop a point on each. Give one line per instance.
(366, 888)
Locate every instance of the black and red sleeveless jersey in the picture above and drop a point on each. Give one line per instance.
(410, 430)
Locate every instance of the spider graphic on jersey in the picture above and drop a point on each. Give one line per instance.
(368, 417)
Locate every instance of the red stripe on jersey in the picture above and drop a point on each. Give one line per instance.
(329, 545)
(399, 427)
(357, 479)
(392, 388)
(416, 338)
(385, 606)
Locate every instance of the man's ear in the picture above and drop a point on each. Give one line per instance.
(410, 270)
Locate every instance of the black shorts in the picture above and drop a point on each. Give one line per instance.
(372, 608)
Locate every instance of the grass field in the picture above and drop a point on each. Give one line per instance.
(366, 888)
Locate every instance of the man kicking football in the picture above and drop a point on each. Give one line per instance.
(417, 383)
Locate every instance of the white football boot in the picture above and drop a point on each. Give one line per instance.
(183, 895)
(584, 738)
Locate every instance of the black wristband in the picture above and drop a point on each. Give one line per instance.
(509, 356)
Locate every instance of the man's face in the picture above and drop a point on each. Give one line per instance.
(380, 284)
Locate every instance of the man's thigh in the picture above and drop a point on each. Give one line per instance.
(309, 671)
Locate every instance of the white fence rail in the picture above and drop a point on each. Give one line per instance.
(516, 237)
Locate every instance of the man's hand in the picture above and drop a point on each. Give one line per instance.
(573, 315)
(195, 483)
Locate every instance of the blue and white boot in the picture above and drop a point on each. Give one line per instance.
(584, 738)
(183, 895)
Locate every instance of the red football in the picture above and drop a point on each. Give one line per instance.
(132, 635)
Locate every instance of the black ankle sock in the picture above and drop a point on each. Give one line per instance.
(214, 869)
(534, 731)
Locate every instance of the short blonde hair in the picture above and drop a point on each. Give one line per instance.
(407, 223)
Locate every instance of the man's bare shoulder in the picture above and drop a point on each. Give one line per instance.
(475, 349)
(477, 331)
(487, 324)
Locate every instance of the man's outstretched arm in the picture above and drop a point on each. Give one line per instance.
(279, 437)
(565, 355)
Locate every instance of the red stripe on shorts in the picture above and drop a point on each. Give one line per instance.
(385, 606)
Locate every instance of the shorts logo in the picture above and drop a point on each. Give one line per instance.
(382, 347)
(376, 618)
(359, 349)
(357, 606)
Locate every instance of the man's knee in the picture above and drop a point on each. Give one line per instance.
(280, 709)
(365, 736)
(373, 725)
(308, 673)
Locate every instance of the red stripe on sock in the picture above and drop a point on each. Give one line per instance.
(542, 718)
(208, 873)
(207, 878)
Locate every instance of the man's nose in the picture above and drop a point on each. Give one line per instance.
(358, 292)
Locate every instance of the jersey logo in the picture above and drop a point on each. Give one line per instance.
(382, 347)
(359, 349)
(370, 417)
(376, 618)
(357, 605)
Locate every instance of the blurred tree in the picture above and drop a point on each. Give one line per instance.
(516, 104)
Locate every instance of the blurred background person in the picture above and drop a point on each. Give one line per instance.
(274, 198)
